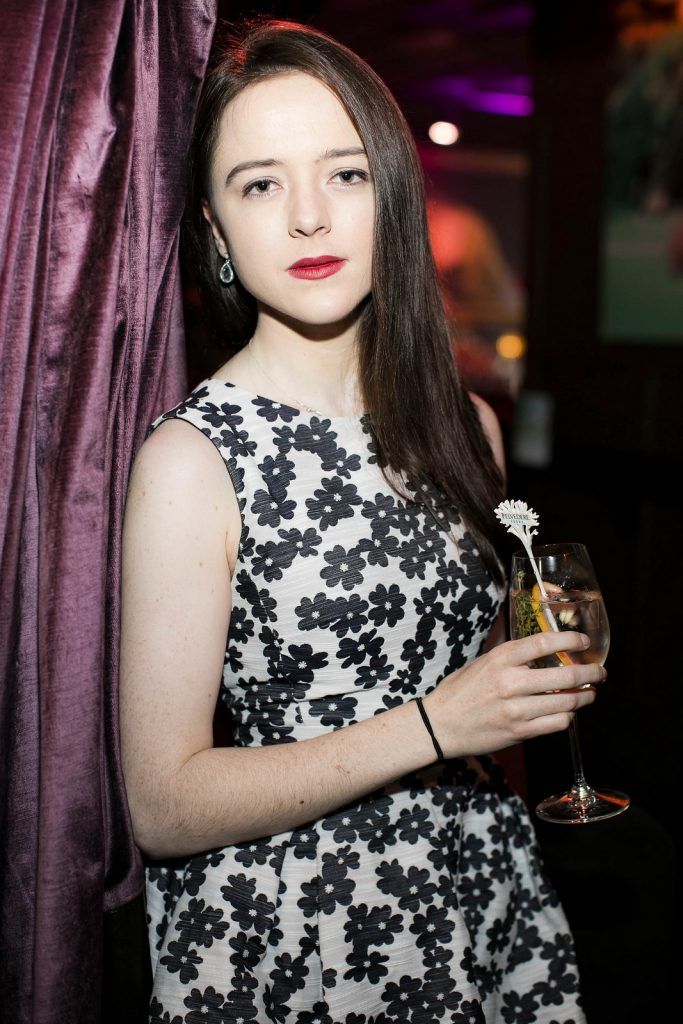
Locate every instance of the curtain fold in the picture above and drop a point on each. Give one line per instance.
(96, 106)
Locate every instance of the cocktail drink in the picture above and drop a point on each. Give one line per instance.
(582, 610)
(570, 599)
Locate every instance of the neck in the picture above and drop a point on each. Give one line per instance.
(319, 373)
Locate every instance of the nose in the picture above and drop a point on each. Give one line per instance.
(308, 212)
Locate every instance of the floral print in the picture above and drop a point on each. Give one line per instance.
(425, 901)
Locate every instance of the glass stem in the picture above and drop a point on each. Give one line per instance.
(580, 784)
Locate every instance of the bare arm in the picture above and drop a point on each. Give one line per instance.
(491, 428)
(511, 758)
(187, 797)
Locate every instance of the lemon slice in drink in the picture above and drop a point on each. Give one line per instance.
(539, 609)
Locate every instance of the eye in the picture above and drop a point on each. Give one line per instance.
(363, 175)
(249, 189)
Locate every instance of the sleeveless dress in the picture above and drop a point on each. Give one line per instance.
(425, 900)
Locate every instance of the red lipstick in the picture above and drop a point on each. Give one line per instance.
(314, 267)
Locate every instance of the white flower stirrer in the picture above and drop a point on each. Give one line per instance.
(520, 520)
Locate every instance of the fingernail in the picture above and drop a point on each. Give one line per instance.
(585, 640)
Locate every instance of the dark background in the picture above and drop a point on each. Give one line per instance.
(617, 440)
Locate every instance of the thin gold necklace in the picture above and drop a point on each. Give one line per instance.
(298, 401)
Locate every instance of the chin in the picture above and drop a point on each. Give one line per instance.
(316, 314)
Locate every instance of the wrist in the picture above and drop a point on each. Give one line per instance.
(410, 739)
(439, 757)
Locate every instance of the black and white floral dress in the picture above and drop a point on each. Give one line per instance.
(425, 900)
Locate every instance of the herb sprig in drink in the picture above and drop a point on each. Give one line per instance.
(581, 610)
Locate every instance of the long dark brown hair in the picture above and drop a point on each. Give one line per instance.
(424, 423)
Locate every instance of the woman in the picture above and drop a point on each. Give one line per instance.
(355, 857)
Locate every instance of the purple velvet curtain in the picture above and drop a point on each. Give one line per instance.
(96, 107)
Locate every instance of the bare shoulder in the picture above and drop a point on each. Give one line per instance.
(179, 472)
(177, 451)
(491, 427)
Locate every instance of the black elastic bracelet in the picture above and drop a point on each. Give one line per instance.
(418, 701)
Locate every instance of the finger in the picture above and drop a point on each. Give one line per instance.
(545, 718)
(564, 677)
(526, 713)
(547, 713)
(540, 645)
(549, 705)
(547, 724)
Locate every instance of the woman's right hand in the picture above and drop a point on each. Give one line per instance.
(497, 700)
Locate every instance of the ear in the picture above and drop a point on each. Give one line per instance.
(221, 244)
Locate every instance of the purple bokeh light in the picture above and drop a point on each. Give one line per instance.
(509, 99)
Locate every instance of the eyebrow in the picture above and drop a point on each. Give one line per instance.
(329, 154)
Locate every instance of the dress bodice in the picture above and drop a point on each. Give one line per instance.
(347, 599)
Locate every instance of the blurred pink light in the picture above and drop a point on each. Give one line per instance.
(508, 103)
(493, 101)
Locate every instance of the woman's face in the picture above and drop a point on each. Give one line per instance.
(303, 200)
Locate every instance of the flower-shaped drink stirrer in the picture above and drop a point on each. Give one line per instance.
(520, 520)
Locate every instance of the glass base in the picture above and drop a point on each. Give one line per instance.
(582, 804)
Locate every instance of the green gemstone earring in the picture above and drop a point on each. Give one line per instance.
(226, 273)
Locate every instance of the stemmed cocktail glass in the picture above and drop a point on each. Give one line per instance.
(574, 602)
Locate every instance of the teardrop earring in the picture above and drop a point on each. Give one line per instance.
(226, 273)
